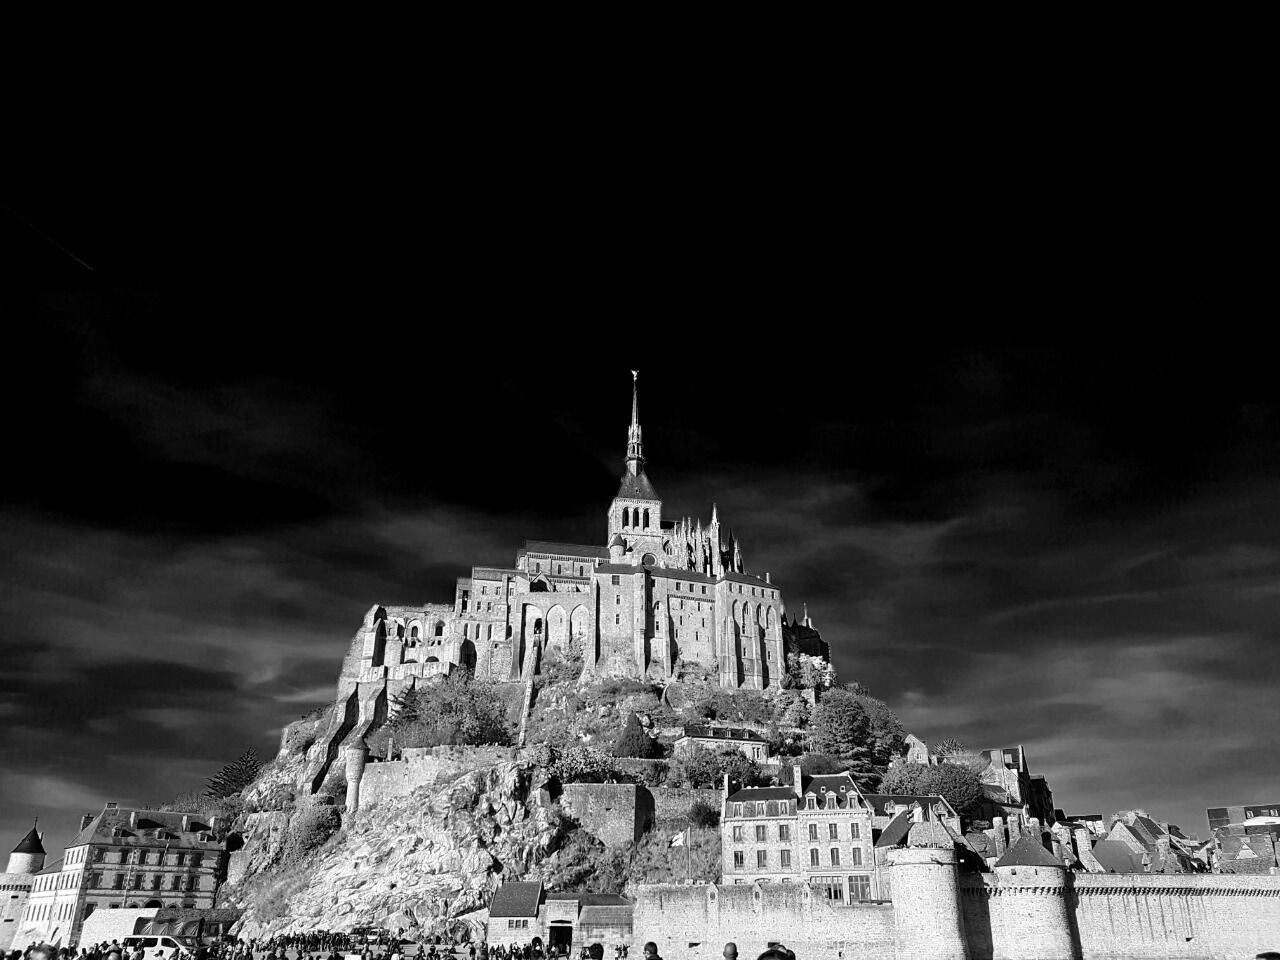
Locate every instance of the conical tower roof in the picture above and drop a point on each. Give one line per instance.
(30, 843)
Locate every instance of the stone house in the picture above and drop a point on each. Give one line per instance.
(819, 833)
(121, 858)
(746, 741)
(522, 912)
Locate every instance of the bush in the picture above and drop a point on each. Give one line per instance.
(310, 828)
(703, 815)
(959, 785)
(578, 764)
(453, 710)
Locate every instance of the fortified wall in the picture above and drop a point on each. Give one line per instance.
(936, 914)
(425, 767)
(614, 813)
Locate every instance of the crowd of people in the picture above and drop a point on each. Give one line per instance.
(367, 945)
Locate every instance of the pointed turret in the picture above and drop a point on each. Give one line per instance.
(635, 446)
(28, 855)
(807, 622)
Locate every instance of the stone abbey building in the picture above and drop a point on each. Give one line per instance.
(658, 597)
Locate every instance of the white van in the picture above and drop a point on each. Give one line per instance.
(161, 947)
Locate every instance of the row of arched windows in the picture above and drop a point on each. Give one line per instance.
(635, 517)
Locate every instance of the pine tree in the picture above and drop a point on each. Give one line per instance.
(634, 742)
(235, 776)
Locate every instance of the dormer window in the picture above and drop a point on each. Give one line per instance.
(831, 801)
(811, 802)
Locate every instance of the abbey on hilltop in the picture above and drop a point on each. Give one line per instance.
(660, 598)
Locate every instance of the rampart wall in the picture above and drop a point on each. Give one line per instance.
(614, 813)
(673, 803)
(425, 767)
(695, 922)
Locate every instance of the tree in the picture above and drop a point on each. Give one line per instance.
(634, 742)
(903, 778)
(959, 785)
(235, 776)
(842, 730)
(578, 764)
(706, 768)
(884, 733)
(947, 746)
(703, 815)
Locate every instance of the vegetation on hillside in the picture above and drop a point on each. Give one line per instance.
(453, 710)
(235, 776)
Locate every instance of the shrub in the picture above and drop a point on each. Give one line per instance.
(703, 815)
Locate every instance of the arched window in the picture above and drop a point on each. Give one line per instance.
(439, 628)
(413, 632)
(626, 516)
(465, 628)
(489, 632)
(646, 519)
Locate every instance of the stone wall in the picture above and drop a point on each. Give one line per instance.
(108, 925)
(1128, 917)
(673, 803)
(614, 813)
(1140, 916)
(424, 767)
(695, 922)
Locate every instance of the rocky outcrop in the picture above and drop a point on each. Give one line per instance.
(432, 858)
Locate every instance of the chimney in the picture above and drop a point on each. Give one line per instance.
(917, 813)
(213, 822)
(726, 786)
(798, 780)
(133, 819)
(112, 805)
(186, 823)
(766, 577)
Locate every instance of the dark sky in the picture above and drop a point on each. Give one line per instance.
(1003, 442)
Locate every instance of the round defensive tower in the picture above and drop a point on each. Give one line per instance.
(28, 855)
(926, 904)
(357, 755)
(1033, 886)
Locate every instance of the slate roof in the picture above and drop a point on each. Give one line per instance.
(896, 831)
(879, 800)
(637, 488)
(563, 549)
(750, 579)
(625, 568)
(30, 843)
(1028, 852)
(1115, 857)
(100, 828)
(829, 783)
(737, 734)
(763, 793)
(1151, 827)
(516, 898)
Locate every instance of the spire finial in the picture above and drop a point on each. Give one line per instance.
(635, 449)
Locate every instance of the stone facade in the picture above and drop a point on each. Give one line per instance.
(820, 833)
(615, 813)
(939, 914)
(523, 912)
(124, 858)
(659, 597)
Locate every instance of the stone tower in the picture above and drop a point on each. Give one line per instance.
(926, 904)
(636, 512)
(1037, 880)
(357, 755)
(28, 855)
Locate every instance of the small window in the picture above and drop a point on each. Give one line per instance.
(835, 856)
(760, 838)
(811, 803)
(739, 860)
(616, 580)
(762, 859)
(833, 831)
(737, 809)
(784, 833)
(737, 834)
(813, 831)
(814, 860)
(617, 620)
(859, 888)
(784, 859)
(856, 856)
(854, 831)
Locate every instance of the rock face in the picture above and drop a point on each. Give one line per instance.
(434, 857)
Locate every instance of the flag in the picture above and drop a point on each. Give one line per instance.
(679, 839)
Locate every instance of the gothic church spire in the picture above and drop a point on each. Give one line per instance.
(635, 448)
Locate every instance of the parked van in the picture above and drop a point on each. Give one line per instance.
(161, 948)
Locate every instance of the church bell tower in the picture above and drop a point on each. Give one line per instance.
(635, 516)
